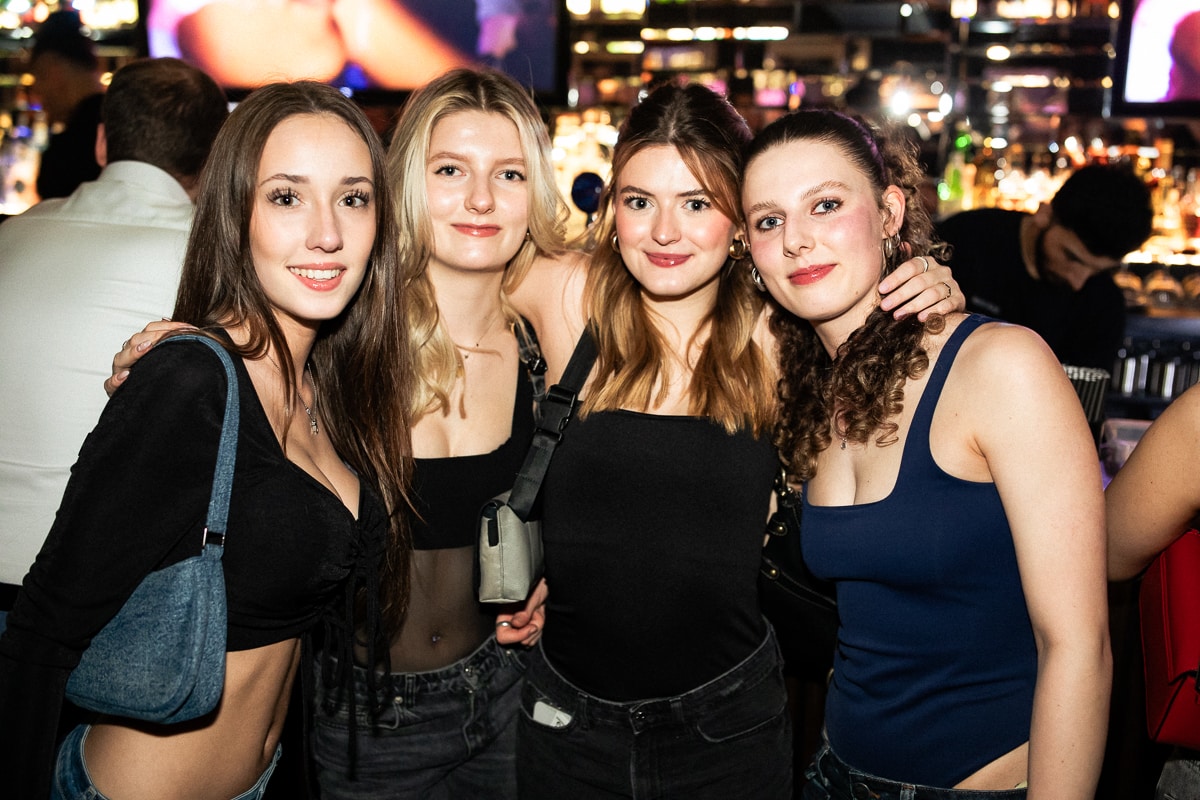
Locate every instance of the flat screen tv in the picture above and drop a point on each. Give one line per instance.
(374, 49)
(1156, 71)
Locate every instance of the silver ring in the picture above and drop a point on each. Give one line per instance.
(949, 291)
(504, 624)
(924, 261)
(124, 344)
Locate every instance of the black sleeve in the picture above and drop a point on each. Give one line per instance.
(136, 502)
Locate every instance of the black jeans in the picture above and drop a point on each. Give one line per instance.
(730, 737)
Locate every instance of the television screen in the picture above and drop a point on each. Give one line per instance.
(366, 46)
(1157, 66)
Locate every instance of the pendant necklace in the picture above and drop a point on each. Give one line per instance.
(308, 412)
(465, 351)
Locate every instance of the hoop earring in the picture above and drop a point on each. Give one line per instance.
(614, 244)
(737, 249)
(756, 278)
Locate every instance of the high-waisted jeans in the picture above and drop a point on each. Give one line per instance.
(72, 781)
(449, 733)
(830, 778)
(729, 738)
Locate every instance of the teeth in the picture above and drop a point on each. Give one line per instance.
(315, 274)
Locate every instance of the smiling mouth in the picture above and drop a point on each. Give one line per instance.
(807, 275)
(478, 230)
(666, 259)
(316, 274)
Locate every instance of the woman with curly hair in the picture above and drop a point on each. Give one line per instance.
(951, 490)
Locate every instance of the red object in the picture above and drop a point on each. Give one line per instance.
(1170, 612)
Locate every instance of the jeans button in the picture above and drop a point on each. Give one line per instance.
(639, 715)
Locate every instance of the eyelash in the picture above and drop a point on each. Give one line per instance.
(508, 174)
(275, 195)
(631, 200)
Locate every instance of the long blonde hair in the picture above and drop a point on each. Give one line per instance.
(733, 381)
(467, 89)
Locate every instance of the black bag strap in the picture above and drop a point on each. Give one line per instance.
(556, 411)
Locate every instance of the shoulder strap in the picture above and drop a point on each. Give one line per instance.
(556, 412)
(531, 356)
(218, 502)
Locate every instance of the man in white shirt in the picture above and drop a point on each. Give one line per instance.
(79, 274)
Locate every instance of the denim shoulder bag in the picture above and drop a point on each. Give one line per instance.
(162, 657)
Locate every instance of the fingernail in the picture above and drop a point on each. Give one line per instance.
(121, 376)
(143, 346)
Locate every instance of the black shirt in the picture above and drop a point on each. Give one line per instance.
(1083, 328)
(136, 502)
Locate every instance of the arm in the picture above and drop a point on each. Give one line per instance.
(550, 296)
(1156, 495)
(1030, 428)
(911, 289)
(137, 494)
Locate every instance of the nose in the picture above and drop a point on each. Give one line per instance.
(795, 240)
(666, 229)
(480, 199)
(325, 232)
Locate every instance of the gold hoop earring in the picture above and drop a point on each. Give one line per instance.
(737, 250)
(757, 279)
(614, 244)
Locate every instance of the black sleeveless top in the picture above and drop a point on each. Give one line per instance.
(448, 492)
(653, 531)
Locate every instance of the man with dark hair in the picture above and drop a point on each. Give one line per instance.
(1051, 270)
(77, 274)
(66, 80)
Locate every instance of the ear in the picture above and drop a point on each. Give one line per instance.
(101, 146)
(893, 210)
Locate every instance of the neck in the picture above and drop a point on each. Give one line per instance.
(468, 303)
(679, 319)
(1029, 236)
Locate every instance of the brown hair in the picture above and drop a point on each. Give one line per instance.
(732, 380)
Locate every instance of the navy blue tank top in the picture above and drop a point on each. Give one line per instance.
(936, 662)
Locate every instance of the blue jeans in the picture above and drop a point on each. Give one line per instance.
(72, 781)
(449, 733)
(830, 778)
(729, 738)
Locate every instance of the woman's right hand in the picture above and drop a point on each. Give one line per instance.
(137, 346)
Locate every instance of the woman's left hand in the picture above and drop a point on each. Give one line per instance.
(525, 626)
(921, 286)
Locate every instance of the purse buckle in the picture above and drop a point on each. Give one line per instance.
(213, 538)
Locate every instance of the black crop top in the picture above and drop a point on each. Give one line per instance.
(136, 502)
(448, 492)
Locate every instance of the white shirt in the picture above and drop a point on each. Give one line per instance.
(77, 276)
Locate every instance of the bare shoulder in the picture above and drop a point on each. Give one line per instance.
(1003, 354)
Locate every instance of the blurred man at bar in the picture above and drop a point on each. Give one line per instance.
(66, 77)
(1050, 270)
(78, 273)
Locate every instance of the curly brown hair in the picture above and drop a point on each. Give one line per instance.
(861, 390)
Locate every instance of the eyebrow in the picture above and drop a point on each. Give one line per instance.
(820, 188)
(446, 155)
(350, 180)
(630, 189)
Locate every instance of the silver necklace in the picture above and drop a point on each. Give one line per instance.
(308, 412)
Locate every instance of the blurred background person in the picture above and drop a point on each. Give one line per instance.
(79, 273)
(66, 75)
(1050, 270)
